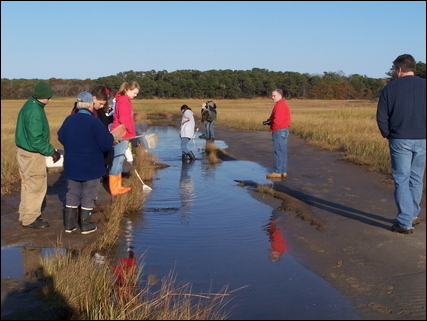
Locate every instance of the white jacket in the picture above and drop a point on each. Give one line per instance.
(187, 124)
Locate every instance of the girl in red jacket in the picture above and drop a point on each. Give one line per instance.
(123, 115)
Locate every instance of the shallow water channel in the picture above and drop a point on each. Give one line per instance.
(198, 223)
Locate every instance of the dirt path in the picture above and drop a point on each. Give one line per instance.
(338, 217)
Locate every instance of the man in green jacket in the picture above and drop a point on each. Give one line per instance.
(32, 137)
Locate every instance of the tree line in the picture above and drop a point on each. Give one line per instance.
(218, 84)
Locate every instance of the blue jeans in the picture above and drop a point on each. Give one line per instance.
(184, 145)
(118, 158)
(210, 132)
(408, 160)
(280, 150)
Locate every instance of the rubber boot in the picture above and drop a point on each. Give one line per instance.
(184, 158)
(122, 188)
(191, 156)
(115, 185)
(70, 215)
(85, 226)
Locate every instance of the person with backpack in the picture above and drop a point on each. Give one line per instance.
(209, 114)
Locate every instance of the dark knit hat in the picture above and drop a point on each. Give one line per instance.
(42, 90)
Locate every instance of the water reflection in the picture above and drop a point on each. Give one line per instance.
(125, 272)
(25, 262)
(125, 282)
(277, 241)
(31, 258)
(186, 189)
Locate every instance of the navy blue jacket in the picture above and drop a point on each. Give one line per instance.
(85, 139)
(401, 111)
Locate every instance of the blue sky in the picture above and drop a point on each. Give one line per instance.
(91, 39)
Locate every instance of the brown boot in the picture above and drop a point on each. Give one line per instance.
(115, 184)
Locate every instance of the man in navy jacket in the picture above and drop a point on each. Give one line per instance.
(85, 139)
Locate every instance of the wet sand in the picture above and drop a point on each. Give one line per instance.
(338, 217)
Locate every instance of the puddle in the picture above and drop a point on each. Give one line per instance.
(22, 262)
(198, 223)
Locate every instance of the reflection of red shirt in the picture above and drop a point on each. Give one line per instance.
(124, 270)
(278, 243)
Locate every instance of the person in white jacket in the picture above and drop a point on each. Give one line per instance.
(187, 132)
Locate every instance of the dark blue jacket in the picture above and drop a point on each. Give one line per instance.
(401, 111)
(85, 139)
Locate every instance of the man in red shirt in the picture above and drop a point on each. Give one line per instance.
(280, 121)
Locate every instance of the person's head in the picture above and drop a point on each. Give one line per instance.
(85, 100)
(42, 92)
(404, 65)
(184, 108)
(130, 88)
(277, 94)
(100, 95)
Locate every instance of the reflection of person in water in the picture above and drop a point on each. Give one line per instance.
(31, 263)
(125, 270)
(186, 186)
(277, 242)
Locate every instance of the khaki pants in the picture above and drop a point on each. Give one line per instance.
(32, 169)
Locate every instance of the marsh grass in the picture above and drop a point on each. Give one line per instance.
(346, 126)
(214, 153)
(266, 190)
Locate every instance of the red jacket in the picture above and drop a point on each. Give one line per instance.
(280, 116)
(123, 114)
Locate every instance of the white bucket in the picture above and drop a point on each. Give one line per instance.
(59, 163)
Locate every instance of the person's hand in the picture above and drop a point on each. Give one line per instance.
(56, 157)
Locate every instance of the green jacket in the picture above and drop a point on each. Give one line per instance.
(32, 131)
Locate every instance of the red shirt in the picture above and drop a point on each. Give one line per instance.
(280, 116)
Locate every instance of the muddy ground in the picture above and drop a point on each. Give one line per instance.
(338, 216)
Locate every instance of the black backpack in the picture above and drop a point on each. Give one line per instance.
(211, 106)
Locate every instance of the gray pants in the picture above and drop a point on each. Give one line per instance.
(82, 193)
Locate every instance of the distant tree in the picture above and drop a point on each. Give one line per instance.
(322, 91)
(420, 69)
